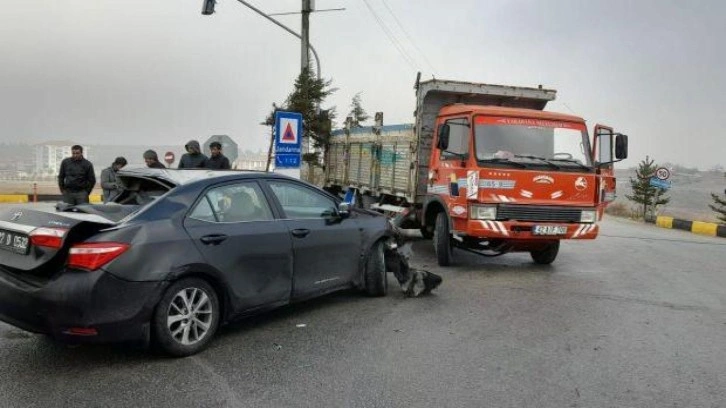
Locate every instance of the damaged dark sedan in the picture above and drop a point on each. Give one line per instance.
(180, 252)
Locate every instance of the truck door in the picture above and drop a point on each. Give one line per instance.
(602, 153)
(452, 158)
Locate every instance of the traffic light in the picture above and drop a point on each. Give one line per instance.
(208, 7)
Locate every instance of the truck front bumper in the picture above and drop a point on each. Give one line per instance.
(524, 230)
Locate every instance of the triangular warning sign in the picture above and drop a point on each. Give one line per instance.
(288, 135)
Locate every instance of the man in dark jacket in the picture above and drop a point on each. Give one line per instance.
(217, 161)
(76, 178)
(108, 179)
(193, 158)
(152, 160)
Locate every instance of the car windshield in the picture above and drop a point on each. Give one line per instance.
(533, 142)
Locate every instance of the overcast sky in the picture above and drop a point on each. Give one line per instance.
(137, 71)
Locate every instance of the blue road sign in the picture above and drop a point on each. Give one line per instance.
(288, 139)
(656, 182)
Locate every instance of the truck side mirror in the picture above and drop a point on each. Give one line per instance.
(621, 146)
(443, 140)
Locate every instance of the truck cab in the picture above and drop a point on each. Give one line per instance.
(508, 179)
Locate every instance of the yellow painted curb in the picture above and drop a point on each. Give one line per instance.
(664, 222)
(13, 198)
(95, 198)
(704, 228)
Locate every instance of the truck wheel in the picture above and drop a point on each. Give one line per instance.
(186, 318)
(547, 255)
(442, 240)
(376, 280)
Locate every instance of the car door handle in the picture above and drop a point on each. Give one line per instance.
(300, 233)
(214, 239)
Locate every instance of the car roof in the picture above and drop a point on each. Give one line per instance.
(188, 176)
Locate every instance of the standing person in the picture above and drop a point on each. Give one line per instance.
(193, 158)
(152, 160)
(217, 161)
(108, 179)
(76, 178)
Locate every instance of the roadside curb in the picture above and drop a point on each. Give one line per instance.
(28, 198)
(696, 227)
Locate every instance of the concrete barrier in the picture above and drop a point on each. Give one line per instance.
(28, 198)
(696, 227)
(13, 198)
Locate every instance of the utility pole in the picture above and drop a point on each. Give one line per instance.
(307, 8)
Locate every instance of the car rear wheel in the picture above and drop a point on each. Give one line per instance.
(376, 280)
(442, 240)
(546, 255)
(186, 318)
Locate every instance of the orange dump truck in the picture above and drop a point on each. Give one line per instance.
(484, 168)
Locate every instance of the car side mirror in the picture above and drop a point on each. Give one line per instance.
(344, 210)
(621, 146)
(443, 140)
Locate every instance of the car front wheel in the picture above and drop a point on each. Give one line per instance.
(376, 280)
(186, 318)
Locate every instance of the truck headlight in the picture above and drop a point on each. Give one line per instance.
(588, 216)
(483, 212)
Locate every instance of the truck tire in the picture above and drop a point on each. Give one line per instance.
(376, 279)
(546, 255)
(442, 240)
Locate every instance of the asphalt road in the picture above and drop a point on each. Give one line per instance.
(636, 318)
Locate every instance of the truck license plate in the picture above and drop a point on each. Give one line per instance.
(549, 230)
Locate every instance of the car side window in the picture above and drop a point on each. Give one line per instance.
(203, 211)
(301, 202)
(242, 202)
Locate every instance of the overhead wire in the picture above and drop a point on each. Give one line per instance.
(410, 61)
(409, 38)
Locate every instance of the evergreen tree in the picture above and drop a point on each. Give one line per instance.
(720, 207)
(307, 96)
(357, 113)
(643, 193)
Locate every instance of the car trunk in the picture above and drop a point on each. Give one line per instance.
(35, 243)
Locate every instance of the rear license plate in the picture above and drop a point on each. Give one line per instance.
(14, 242)
(549, 230)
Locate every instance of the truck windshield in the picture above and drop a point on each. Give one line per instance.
(532, 142)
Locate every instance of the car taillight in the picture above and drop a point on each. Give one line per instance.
(48, 237)
(94, 255)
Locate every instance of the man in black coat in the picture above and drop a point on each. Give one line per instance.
(152, 160)
(217, 161)
(193, 158)
(76, 178)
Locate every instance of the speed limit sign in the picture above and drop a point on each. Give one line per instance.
(663, 173)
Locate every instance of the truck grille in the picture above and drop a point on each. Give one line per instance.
(538, 213)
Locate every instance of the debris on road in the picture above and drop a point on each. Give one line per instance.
(414, 282)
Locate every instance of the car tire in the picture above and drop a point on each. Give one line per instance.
(546, 255)
(426, 232)
(442, 240)
(184, 327)
(376, 278)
